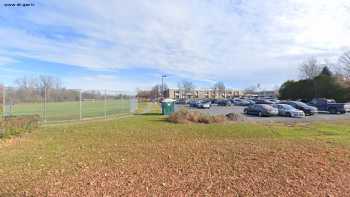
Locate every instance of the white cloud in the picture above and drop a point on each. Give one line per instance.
(199, 39)
(106, 82)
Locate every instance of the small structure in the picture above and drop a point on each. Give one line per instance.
(168, 106)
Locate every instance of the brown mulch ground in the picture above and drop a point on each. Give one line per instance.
(203, 167)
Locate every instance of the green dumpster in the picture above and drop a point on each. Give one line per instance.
(168, 106)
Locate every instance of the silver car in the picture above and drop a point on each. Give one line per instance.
(287, 110)
(204, 105)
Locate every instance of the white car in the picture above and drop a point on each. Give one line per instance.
(287, 110)
(204, 105)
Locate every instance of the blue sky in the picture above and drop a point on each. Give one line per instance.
(125, 45)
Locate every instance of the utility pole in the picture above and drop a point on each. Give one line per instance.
(162, 91)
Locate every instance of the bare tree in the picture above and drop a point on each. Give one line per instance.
(156, 90)
(310, 69)
(22, 82)
(219, 87)
(344, 61)
(186, 86)
(49, 82)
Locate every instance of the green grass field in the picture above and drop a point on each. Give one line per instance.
(146, 155)
(59, 111)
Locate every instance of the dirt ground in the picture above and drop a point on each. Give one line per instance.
(207, 168)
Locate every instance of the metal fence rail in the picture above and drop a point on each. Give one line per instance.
(53, 105)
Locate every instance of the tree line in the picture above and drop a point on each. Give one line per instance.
(50, 89)
(320, 80)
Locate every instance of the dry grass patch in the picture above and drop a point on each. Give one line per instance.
(208, 168)
(15, 125)
(185, 116)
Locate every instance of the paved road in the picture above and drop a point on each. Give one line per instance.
(220, 110)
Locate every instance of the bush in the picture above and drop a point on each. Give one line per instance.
(15, 125)
(235, 117)
(185, 116)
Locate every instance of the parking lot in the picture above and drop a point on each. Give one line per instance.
(223, 110)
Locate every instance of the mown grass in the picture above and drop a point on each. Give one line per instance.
(68, 150)
(76, 141)
(56, 111)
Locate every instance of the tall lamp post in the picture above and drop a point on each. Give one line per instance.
(162, 93)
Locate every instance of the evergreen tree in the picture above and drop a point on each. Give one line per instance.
(325, 71)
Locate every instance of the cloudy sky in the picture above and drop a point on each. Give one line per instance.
(128, 44)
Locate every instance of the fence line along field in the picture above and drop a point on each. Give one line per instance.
(56, 111)
(56, 107)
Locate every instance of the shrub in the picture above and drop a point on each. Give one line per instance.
(185, 116)
(235, 117)
(179, 117)
(218, 119)
(15, 125)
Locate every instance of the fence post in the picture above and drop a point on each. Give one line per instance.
(41, 104)
(4, 102)
(105, 104)
(80, 107)
(45, 102)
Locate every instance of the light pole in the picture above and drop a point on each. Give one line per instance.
(162, 91)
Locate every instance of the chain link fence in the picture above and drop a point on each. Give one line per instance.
(54, 105)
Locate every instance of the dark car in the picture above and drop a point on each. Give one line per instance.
(307, 109)
(261, 110)
(181, 101)
(214, 101)
(330, 105)
(194, 103)
(224, 103)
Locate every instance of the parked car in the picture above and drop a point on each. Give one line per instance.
(274, 100)
(241, 102)
(264, 101)
(330, 105)
(194, 103)
(251, 102)
(261, 110)
(224, 102)
(181, 101)
(289, 111)
(204, 105)
(214, 101)
(307, 109)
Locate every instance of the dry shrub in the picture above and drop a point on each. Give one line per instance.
(178, 117)
(185, 116)
(193, 116)
(235, 117)
(14, 125)
(218, 119)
